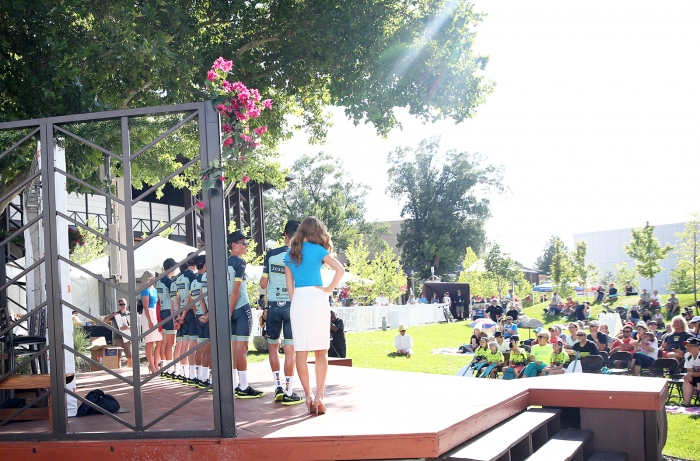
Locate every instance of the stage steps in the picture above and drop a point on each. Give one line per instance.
(514, 439)
(533, 435)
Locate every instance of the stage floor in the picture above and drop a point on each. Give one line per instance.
(372, 414)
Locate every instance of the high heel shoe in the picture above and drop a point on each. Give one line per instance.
(319, 406)
(310, 403)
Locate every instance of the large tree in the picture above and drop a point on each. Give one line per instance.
(324, 189)
(445, 204)
(501, 269)
(646, 250)
(584, 272)
(70, 56)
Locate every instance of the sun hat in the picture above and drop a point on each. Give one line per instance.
(695, 319)
(594, 323)
(642, 324)
(402, 328)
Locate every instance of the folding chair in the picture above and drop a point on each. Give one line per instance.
(675, 379)
(621, 356)
(591, 363)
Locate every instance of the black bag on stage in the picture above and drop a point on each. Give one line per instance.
(102, 400)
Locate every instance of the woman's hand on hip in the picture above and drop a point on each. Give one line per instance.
(325, 289)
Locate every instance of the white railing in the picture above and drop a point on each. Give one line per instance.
(363, 318)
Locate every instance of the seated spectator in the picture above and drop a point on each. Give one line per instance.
(659, 318)
(655, 300)
(403, 342)
(479, 312)
(691, 380)
(673, 306)
(584, 347)
(434, 299)
(558, 360)
(381, 300)
(646, 316)
(423, 300)
(509, 328)
(503, 345)
(570, 340)
(494, 357)
(604, 329)
(694, 326)
(555, 305)
(626, 343)
(495, 310)
(569, 307)
(633, 314)
(629, 289)
(481, 351)
(599, 294)
(412, 300)
(581, 311)
(646, 352)
(672, 343)
(654, 328)
(518, 357)
(543, 298)
(612, 294)
(474, 340)
(639, 329)
(644, 299)
(598, 337)
(540, 355)
(513, 312)
(554, 332)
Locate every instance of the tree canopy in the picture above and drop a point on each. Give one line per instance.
(544, 262)
(62, 57)
(646, 250)
(445, 204)
(324, 189)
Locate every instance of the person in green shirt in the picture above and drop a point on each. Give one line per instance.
(540, 355)
(557, 361)
(494, 357)
(482, 350)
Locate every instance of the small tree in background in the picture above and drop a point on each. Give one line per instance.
(682, 281)
(562, 270)
(689, 251)
(479, 282)
(623, 274)
(500, 268)
(646, 250)
(544, 262)
(383, 274)
(583, 272)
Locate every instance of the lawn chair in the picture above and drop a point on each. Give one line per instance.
(675, 379)
(592, 363)
(487, 369)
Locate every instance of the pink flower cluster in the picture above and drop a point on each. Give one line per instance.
(237, 105)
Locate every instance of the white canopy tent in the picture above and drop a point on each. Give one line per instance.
(150, 257)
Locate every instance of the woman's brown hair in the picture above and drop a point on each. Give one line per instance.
(311, 230)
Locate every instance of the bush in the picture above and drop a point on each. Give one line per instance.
(81, 343)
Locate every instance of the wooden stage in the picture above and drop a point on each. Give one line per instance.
(372, 414)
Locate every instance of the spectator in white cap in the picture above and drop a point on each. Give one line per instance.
(403, 342)
(691, 380)
(694, 325)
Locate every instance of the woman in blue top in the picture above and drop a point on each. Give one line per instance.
(149, 299)
(310, 313)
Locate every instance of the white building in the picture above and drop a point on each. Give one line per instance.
(605, 249)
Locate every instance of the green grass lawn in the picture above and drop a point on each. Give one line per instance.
(371, 349)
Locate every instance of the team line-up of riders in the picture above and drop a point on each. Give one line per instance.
(298, 309)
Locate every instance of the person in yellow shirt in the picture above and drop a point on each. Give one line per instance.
(494, 357)
(540, 355)
(558, 360)
(518, 357)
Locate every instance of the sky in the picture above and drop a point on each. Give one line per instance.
(595, 119)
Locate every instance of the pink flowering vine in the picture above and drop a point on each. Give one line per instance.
(200, 205)
(238, 107)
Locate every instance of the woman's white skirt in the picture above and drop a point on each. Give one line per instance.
(311, 319)
(154, 335)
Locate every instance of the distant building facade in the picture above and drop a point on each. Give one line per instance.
(605, 249)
